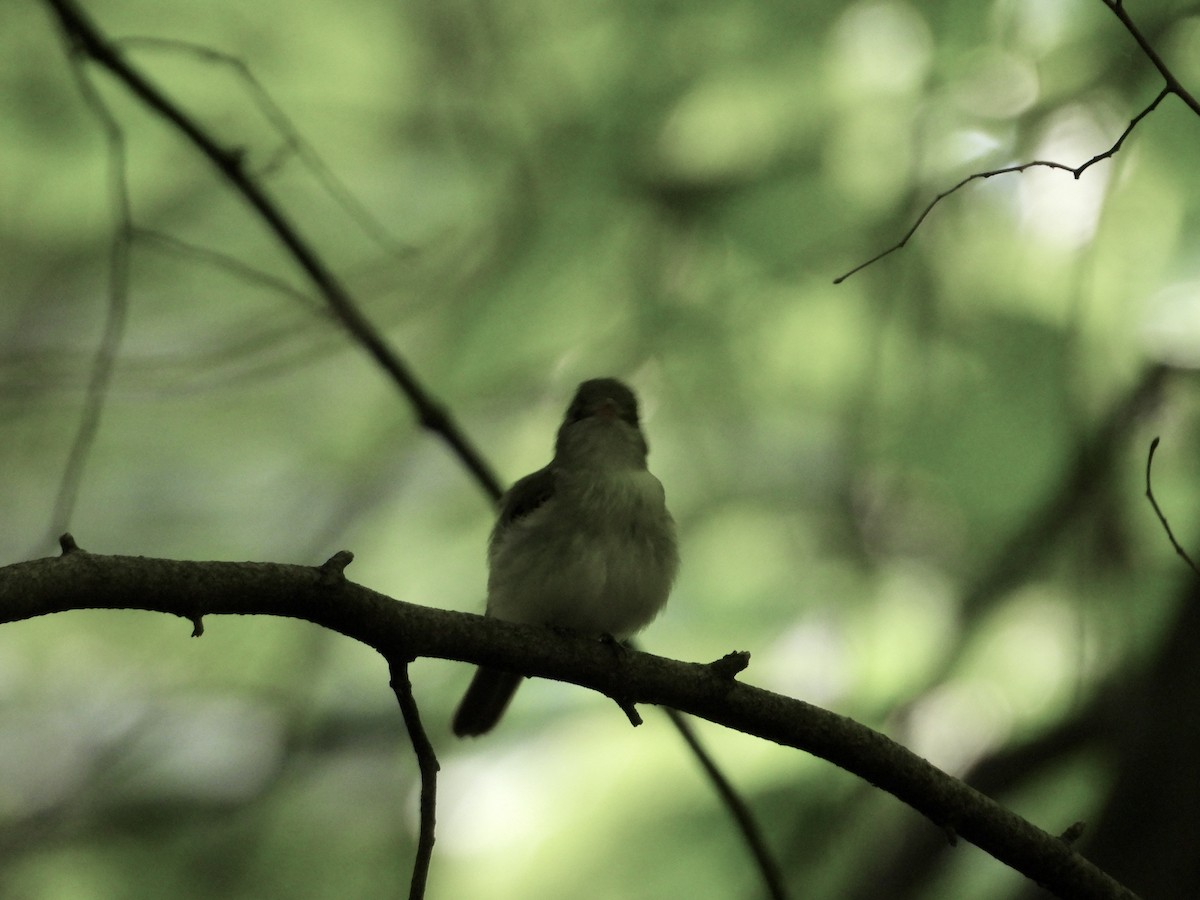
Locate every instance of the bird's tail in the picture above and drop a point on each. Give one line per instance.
(485, 701)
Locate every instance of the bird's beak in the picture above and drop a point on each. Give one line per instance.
(607, 409)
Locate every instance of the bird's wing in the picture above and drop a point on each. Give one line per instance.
(525, 496)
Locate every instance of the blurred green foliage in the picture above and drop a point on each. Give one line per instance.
(884, 487)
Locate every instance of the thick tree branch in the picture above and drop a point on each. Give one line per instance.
(192, 590)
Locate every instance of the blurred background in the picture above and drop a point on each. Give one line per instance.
(915, 497)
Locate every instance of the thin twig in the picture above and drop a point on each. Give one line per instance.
(1076, 171)
(1158, 512)
(105, 360)
(427, 765)
(1172, 86)
(235, 267)
(767, 866)
(294, 141)
(84, 37)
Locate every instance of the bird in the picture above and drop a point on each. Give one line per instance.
(585, 544)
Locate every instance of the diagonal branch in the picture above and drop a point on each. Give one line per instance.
(86, 39)
(80, 580)
(1174, 85)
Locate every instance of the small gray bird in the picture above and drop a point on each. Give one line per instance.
(585, 543)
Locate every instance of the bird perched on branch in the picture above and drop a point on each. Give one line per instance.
(585, 543)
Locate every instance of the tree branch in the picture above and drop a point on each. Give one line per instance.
(86, 39)
(398, 630)
(1174, 85)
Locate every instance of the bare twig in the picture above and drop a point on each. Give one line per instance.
(767, 866)
(1076, 171)
(1158, 512)
(1172, 86)
(427, 765)
(85, 38)
(229, 264)
(105, 360)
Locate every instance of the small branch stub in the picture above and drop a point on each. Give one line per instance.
(631, 713)
(67, 544)
(333, 570)
(729, 665)
(1073, 834)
